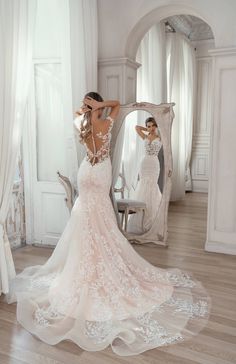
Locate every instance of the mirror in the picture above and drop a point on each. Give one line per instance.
(142, 173)
(131, 167)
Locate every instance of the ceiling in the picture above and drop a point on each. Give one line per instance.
(194, 28)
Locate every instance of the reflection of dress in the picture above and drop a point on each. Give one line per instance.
(95, 290)
(147, 189)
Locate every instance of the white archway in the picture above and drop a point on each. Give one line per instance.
(155, 16)
(146, 22)
(117, 78)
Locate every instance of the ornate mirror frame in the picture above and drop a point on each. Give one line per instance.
(164, 116)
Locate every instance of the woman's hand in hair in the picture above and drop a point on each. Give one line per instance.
(141, 128)
(82, 110)
(95, 105)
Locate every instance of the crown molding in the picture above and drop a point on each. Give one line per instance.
(117, 61)
(227, 51)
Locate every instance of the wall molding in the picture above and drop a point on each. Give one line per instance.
(200, 186)
(222, 51)
(201, 140)
(118, 61)
(117, 78)
(202, 126)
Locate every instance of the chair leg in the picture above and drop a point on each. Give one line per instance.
(126, 218)
(143, 219)
(122, 220)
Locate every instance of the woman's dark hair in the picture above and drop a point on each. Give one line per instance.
(95, 96)
(150, 120)
(86, 126)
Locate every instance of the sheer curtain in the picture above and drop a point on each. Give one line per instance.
(181, 69)
(16, 34)
(133, 150)
(151, 87)
(168, 74)
(151, 76)
(84, 43)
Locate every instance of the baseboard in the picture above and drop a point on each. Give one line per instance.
(223, 248)
(40, 245)
(199, 186)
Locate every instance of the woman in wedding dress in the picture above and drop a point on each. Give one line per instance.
(147, 190)
(95, 290)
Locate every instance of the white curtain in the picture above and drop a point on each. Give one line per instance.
(133, 150)
(84, 43)
(16, 34)
(180, 89)
(151, 87)
(167, 74)
(151, 76)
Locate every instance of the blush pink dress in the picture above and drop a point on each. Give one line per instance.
(96, 291)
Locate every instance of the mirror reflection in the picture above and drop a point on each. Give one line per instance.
(140, 182)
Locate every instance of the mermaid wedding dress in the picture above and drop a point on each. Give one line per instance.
(95, 290)
(147, 190)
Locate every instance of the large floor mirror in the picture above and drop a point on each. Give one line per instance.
(142, 168)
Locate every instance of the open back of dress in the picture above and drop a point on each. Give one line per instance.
(98, 147)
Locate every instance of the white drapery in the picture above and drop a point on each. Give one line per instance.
(181, 69)
(16, 33)
(151, 76)
(84, 43)
(167, 74)
(151, 87)
(133, 150)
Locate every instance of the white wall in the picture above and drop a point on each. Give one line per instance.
(120, 20)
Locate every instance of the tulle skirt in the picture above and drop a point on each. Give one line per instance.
(96, 291)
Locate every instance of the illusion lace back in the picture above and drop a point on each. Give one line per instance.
(100, 154)
(96, 291)
(147, 189)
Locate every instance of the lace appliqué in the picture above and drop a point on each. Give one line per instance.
(43, 316)
(98, 331)
(192, 310)
(152, 148)
(153, 333)
(104, 151)
(180, 280)
(43, 281)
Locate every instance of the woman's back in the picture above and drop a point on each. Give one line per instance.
(98, 143)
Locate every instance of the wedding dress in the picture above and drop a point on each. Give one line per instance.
(147, 190)
(95, 290)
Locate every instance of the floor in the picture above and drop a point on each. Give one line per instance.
(216, 344)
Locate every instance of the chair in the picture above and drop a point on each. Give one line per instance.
(127, 206)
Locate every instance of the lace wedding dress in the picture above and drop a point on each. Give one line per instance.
(96, 291)
(147, 190)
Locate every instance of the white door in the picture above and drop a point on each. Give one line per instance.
(48, 141)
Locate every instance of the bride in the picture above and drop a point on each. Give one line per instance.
(95, 290)
(147, 190)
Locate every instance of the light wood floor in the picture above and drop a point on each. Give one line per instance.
(216, 344)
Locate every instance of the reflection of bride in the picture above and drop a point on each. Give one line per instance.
(147, 190)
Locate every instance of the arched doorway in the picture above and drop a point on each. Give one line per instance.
(155, 16)
(201, 140)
